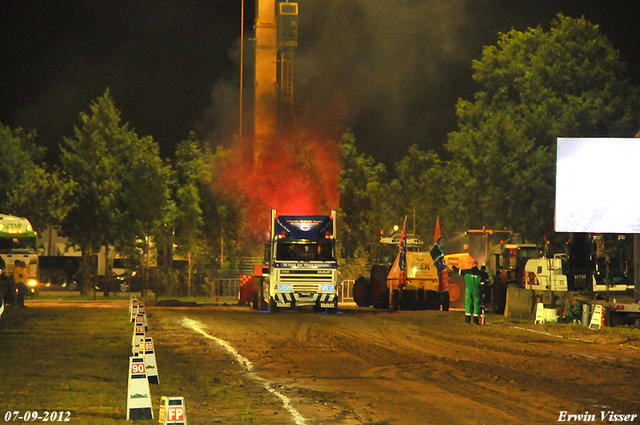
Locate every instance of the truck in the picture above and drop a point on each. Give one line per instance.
(594, 268)
(18, 241)
(421, 290)
(301, 264)
(591, 264)
(60, 263)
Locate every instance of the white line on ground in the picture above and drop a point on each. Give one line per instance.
(568, 337)
(199, 327)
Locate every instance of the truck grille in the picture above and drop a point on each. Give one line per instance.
(306, 280)
(304, 288)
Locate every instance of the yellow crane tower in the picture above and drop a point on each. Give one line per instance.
(276, 40)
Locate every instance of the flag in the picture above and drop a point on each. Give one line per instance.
(438, 260)
(437, 236)
(402, 259)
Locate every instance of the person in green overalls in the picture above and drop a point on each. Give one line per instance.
(473, 279)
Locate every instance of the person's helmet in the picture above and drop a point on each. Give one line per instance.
(474, 264)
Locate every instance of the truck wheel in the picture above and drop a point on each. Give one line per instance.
(72, 285)
(264, 304)
(255, 304)
(63, 281)
(258, 299)
(334, 309)
(273, 307)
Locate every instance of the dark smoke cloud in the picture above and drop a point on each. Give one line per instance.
(385, 68)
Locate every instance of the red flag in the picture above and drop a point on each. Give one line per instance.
(402, 260)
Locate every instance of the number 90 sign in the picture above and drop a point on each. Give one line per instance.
(137, 368)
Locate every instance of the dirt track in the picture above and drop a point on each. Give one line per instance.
(423, 367)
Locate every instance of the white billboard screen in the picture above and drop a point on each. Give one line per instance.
(596, 185)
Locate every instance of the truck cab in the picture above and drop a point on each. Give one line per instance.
(546, 274)
(302, 260)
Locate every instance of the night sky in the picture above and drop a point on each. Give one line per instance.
(391, 70)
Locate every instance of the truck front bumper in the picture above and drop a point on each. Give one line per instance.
(301, 299)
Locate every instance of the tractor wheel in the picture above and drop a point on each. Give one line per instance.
(412, 299)
(379, 286)
(420, 299)
(456, 290)
(395, 303)
(362, 292)
(383, 300)
(432, 299)
(444, 300)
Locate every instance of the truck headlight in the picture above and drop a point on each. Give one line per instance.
(285, 287)
(328, 288)
(33, 282)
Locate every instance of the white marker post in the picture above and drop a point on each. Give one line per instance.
(142, 311)
(131, 304)
(134, 310)
(137, 339)
(141, 319)
(138, 394)
(539, 314)
(150, 361)
(597, 320)
(172, 411)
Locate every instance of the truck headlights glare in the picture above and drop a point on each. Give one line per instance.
(326, 288)
(286, 287)
(33, 282)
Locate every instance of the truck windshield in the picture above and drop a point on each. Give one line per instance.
(18, 245)
(307, 251)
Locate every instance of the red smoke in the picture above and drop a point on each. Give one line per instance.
(297, 173)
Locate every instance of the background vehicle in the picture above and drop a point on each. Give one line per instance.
(420, 291)
(59, 272)
(503, 253)
(60, 264)
(18, 241)
(593, 267)
(302, 264)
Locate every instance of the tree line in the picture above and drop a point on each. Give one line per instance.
(112, 188)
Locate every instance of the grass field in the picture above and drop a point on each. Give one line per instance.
(75, 359)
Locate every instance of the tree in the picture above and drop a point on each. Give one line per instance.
(121, 184)
(28, 188)
(190, 170)
(537, 86)
(364, 200)
(419, 188)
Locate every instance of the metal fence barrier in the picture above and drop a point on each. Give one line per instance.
(225, 287)
(346, 289)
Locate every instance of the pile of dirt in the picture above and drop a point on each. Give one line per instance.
(173, 303)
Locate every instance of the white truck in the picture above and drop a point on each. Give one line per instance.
(18, 241)
(302, 264)
(596, 268)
